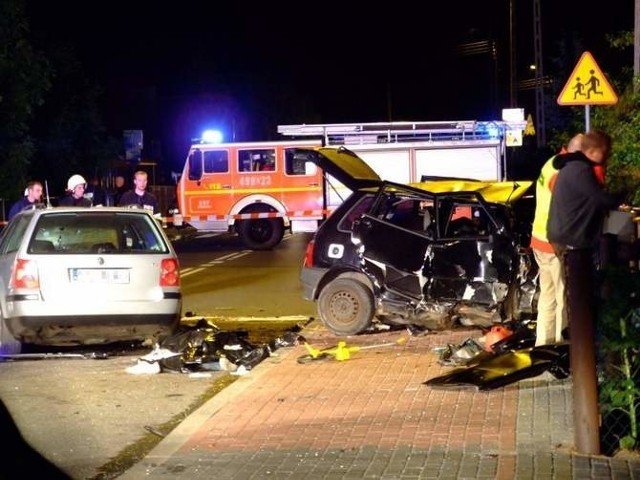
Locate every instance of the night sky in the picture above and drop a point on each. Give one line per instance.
(172, 68)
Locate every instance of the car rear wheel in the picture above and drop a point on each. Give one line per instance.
(346, 306)
(8, 344)
(261, 234)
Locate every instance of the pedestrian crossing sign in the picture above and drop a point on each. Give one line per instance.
(587, 85)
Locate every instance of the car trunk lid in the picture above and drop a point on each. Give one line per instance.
(96, 279)
(343, 164)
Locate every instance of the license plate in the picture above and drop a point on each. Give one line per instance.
(99, 275)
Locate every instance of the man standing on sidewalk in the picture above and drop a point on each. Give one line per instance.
(552, 314)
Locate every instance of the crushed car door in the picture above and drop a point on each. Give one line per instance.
(395, 237)
(473, 258)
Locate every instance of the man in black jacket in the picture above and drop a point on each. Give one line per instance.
(139, 195)
(32, 196)
(579, 202)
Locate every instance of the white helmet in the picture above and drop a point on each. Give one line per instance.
(74, 181)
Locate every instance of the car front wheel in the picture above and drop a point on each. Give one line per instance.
(346, 306)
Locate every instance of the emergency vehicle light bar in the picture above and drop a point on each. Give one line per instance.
(394, 132)
(377, 127)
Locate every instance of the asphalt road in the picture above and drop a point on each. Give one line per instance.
(91, 418)
(81, 413)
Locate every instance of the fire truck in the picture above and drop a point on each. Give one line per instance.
(261, 189)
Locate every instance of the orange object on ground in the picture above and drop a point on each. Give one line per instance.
(494, 335)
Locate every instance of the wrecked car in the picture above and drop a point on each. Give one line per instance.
(434, 254)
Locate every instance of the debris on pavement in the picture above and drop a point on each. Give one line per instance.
(498, 339)
(499, 358)
(497, 370)
(462, 354)
(204, 347)
(341, 351)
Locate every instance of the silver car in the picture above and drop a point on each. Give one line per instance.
(86, 276)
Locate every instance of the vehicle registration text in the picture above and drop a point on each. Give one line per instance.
(99, 275)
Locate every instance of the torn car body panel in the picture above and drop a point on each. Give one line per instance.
(508, 367)
(463, 259)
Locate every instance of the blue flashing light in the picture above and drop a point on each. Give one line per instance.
(212, 136)
(490, 129)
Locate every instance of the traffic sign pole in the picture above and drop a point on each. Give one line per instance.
(587, 118)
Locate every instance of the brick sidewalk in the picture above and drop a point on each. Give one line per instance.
(372, 417)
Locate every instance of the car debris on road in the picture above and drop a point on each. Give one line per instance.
(341, 352)
(511, 359)
(204, 347)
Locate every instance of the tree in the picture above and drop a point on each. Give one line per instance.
(25, 77)
(68, 130)
(622, 122)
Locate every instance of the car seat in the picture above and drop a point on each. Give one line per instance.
(41, 246)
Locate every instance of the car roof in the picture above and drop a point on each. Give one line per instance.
(89, 210)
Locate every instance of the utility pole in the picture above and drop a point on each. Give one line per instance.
(512, 56)
(539, 74)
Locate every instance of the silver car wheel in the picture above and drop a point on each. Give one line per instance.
(346, 306)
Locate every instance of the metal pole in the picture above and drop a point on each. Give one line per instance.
(512, 56)
(541, 129)
(587, 119)
(580, 289)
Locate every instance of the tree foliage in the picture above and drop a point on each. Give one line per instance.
(621, 121)
(25, 77)
(51, 125)
(69, 132)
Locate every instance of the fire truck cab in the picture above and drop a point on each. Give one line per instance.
(257, 189)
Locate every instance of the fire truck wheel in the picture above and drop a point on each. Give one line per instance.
(346, 306)
(261, 234)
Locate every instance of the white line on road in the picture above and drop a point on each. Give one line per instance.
(231, 256)
(185, 272)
